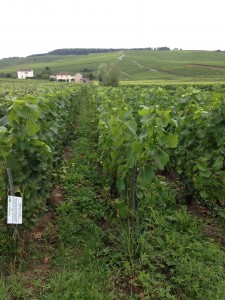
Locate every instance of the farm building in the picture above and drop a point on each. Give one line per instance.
(62, 76)
(78, 77)
(65, 76)
(25, 73)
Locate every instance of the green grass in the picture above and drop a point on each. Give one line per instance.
(136, 65)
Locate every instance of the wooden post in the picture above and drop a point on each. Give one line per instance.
(134, 196)
(10, 179)
(12, 191)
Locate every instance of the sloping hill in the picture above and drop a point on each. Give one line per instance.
(70, 63)
(174, 65)
(134, 64)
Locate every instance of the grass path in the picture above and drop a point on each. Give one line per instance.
(147, 68)
(82, 269)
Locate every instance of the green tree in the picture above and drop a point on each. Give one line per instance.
(109, 75)
(113, 74)
(45, 74)
(90, 76)
(102, 74)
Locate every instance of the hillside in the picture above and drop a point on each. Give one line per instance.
(134, 64)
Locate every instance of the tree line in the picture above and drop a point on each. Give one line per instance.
(86, 51)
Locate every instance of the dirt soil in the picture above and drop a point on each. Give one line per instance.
(213, 229)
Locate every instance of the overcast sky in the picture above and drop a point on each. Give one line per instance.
(38, 26)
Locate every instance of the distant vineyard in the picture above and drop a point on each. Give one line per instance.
(135, 65)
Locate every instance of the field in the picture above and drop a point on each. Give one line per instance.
(135, 65)
(123, 189)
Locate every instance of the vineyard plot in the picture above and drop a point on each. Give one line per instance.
(138, 155)
(180, 131)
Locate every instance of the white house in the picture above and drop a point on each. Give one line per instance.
(65, 76)
(25, 73)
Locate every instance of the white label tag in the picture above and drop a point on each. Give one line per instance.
(14, 212)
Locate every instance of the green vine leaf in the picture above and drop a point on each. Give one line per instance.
(145, 176)
(160, 157)
(172, 140)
